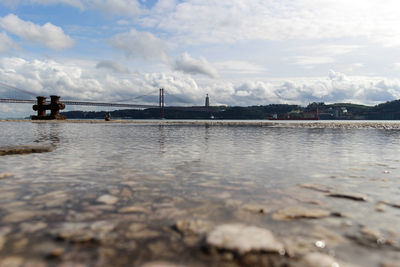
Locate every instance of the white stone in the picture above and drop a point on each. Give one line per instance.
(107, 199)
(243, 238)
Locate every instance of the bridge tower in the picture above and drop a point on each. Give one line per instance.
(162, 103)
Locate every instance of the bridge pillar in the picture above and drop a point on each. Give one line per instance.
(54, 107)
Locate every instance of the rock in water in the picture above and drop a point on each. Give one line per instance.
(242, 239)
(14, 150)
(349, 195)
(316, 259)
(107, 199)
(290, 213)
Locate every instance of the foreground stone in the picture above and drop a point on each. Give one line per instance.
(242, 239)
(316, 259)
(15, 150)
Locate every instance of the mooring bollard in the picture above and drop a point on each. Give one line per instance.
(54, 107)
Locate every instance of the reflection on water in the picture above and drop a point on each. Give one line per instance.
(207, 171)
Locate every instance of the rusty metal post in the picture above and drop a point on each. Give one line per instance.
(54, 107)
(40, 107)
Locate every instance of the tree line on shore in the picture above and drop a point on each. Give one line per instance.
(346, 111)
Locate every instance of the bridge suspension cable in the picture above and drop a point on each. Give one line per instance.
(137, 97)
(17, 89)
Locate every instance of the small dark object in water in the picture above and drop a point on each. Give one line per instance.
(108, 116)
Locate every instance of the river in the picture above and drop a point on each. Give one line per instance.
(130, 193)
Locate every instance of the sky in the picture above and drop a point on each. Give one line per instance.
(240, 52)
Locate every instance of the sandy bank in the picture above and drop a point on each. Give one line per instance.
(266, 123)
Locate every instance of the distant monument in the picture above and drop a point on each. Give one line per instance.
(207, 101)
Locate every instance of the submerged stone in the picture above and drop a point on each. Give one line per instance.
(28, 149)
(141, 231)
(349, 195)
(290, 213)
(19, 216)
(316, 187)
(242, 239)
(390, 203)
(192, 226)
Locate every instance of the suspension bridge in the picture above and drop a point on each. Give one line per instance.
(41, 104)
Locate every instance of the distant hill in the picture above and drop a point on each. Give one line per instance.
(347, 111)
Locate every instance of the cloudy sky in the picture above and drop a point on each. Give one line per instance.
(240, 52)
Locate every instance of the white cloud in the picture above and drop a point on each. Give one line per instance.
(396, 66)
(330, 49)
(310, 61)
(75, 3)
(83, 81)
(118, 7)
(48, 34)
(239, 67)
(112, 65)
(6, 43)
(137, 44)
(187, 64)
(208, 21)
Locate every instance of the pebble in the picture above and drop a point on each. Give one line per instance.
(134, 209)
(290, 213)
(5, 175)
(242, 239)
(108, 199)
(255, 208)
